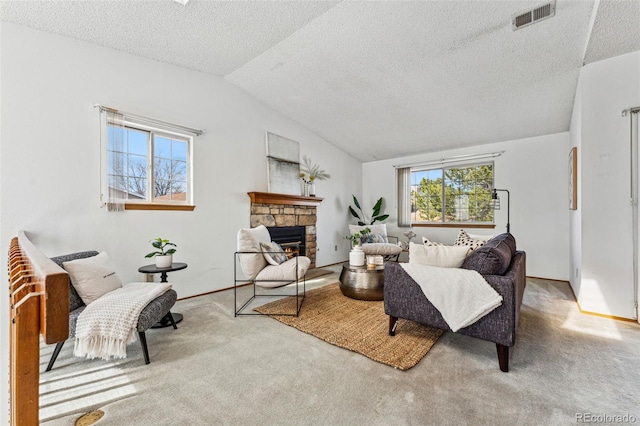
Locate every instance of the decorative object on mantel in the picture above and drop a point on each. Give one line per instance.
(375, 216)
(164, 257)
(309, 173)
(283, 164)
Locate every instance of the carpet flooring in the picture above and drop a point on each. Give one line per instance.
(316, 273)
(357, 325)
(216, 369)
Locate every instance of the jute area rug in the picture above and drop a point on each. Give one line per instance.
(357, 325)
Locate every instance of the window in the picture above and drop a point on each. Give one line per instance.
(454, 195)
(148, 165)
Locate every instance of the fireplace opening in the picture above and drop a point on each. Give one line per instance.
(288, 237)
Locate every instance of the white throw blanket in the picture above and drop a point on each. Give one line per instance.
(462, 296)
(108, 325)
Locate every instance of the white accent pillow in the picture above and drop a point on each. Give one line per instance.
(384, 249)
(284, 273)
(273, 253)
(93, 277)
(249, 241)
(443, 256)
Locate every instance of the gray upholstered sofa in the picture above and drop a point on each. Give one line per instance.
(158, 309)
(502, 266)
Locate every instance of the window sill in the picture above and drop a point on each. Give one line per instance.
(154, 206)
(454, 225)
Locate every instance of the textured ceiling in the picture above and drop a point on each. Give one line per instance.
(377, 79)
(616, 30)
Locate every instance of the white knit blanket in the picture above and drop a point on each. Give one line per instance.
(462, 296)
(108, 325)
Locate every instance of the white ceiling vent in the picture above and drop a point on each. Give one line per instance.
(532, 16)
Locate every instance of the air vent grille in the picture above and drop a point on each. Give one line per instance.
(533, 15)
(522, 20)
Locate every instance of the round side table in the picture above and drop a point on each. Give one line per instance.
(153, 269)
(362, 283)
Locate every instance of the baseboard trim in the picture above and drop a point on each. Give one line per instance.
(613, 317)
(548, 279)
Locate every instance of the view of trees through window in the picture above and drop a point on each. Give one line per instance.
(460, 194)
(131, 172)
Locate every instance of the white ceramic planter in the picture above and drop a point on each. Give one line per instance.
(356, 256)
(164, 261)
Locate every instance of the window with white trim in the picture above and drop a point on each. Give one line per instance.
(452, 195)
(148, 164)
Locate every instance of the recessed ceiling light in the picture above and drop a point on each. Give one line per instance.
(182, 2)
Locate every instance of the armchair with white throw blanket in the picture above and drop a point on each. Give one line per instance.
(104, 316)
(481, 299)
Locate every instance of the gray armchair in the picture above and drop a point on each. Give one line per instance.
(158, 309)
(502, 267)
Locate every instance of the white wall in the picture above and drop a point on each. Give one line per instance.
(50, 161)
(605, 217)
(534, 170)
(575, 216)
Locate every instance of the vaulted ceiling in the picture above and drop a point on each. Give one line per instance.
(379, 79)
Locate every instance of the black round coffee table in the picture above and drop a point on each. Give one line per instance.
(153, 269)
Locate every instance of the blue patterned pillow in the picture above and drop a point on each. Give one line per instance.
(374, 238)
(273, 253)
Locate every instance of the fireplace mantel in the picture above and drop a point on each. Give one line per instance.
(286, 199)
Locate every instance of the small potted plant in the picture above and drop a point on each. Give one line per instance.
(356, 238)
(164, 256)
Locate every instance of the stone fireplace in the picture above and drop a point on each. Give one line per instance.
(285, 210)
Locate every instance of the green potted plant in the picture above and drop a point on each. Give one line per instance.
(164, 255)
(357, 237)
(375, 216)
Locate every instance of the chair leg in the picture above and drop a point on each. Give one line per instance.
(393, 322)
(56, 352)
(145, 350)
(170, 318)
(503, 357)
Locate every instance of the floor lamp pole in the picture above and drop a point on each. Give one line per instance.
(494, 196)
